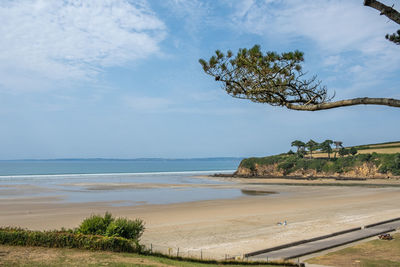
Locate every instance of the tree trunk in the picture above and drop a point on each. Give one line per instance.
(388, 11)
(348, 102)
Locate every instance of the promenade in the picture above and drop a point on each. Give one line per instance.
(298, 250)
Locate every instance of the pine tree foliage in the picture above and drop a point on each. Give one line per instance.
(395, 37)
(276, 79)
(271, 78)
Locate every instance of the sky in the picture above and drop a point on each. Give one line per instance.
(121, 78)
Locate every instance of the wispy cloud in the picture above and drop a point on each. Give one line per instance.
(335, 25)
(66, 39)
(348, 36)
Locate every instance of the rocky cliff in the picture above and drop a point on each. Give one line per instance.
(364, 170)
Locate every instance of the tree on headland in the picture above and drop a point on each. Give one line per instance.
(338, 144)
(343, 151)
(326, 147)
(276, 79)
(390, 13)
(312, 146)
(299, 144)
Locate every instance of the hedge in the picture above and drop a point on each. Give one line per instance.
(58, 239)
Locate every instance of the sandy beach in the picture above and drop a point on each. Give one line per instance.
(227, 226)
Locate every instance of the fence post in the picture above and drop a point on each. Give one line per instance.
(177, 253)
(201, 254)
(151, 247)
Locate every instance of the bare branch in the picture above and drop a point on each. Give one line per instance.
(388, 11)
(349, 102)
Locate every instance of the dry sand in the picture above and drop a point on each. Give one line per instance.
(232, 226)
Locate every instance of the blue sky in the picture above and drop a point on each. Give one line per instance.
(121, 79)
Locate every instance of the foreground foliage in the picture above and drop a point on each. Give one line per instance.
(60, 239)
(95, 233)
(289, 163)
(112, 227)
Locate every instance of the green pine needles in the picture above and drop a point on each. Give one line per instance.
(395, 37)
(272, 78)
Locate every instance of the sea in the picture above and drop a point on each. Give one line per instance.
(113, 181)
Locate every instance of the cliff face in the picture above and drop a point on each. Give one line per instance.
(366, 170)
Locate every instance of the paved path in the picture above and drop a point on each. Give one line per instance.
(320, 245)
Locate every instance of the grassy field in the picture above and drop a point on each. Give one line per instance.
(383, 148)
(373, 253)
(43, 257)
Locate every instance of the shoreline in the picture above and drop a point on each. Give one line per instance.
(288, 180)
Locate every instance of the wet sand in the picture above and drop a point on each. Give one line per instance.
(229, 226)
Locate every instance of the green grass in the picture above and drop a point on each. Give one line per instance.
(385, 143)
(380, 148)
(74, 257)
(373, 253)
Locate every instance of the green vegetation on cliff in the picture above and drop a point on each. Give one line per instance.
(290, 163)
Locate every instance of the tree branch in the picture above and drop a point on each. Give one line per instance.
(349, 102)
(388, 11)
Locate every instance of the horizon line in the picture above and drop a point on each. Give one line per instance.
(120, 159)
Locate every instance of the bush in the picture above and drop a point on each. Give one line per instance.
(122, 227)
(290, 152)
(56, 239)
(95, 224)
(390, 163)
(353, 151)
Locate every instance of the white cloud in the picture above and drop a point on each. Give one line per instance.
(335, 25)
(194, 14)
(73, 39)
(348, 36)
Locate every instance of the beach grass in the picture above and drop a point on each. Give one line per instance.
(372, 253)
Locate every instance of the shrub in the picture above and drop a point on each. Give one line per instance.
(95, 224)
(56, 239)
(122, 227)
(365, 157)
(353, 151)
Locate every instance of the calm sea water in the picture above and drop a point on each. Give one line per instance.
(35, 167)
(72, 180)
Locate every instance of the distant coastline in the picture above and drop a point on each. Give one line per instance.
(130, 159)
